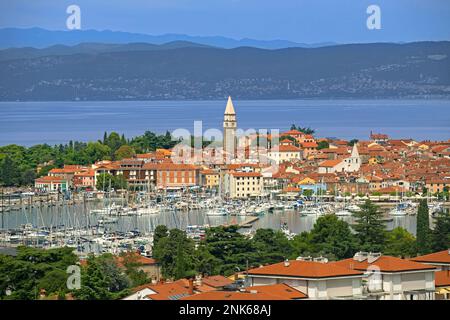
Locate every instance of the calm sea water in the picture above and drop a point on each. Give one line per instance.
(28, 123)
(78, 216)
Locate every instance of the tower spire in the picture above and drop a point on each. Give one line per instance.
(229, 108)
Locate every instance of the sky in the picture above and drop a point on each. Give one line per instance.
(305, 21)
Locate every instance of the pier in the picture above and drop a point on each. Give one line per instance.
(247, 223)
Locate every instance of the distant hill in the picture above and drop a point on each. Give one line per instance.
(41, 38)
(90, 48)
(182, 70)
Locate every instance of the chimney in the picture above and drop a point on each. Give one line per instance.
(286, 263)
(191, 286)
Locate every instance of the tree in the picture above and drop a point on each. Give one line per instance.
(124, 152)
(332, 236)
(96, 151)
(369, 227)
(352, 142)
(323, 145)
(104, 181)
(423, 228)
(230, 247)
(102, 279)
(305, 130)
(120, 182)
(161, 231)
(175, 252)
(270, 246)
(130, 261)
(34, 269)
(9, 172)
(400, 243)
(440, 237)
(301, 245)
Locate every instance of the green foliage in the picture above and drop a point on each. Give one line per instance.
(106, 180)
(34, 269)
(151, 141)
(305, 130)
(332, 236)
(270, 246)
(369, 227)
(230, 247)
(440, 237)
(131, 264)
(400, 243)
(161, 231)
(175, 253)
(102, 279)
(9, 172)
(423, 228)
(124, 152)
(308, 192)
(352, 142)
(322, 145)
(18, 164)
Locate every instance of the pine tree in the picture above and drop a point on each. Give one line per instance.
(423, 228)
(440, 239)
(369, 228)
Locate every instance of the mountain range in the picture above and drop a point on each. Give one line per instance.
(186, 70)
(41, 38)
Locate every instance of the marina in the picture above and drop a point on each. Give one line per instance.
(112, 225)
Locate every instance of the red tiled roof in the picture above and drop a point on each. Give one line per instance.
(216, 281)
(230, 295)
(285, 148)
(385, 264)
(330, 163)
(309, 145)
(168, 291)
(47, 179)
(246, 174)
(305, 269)
(135, 258)
(281, 290)
(441, 257)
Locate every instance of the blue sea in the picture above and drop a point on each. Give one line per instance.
(29, 123)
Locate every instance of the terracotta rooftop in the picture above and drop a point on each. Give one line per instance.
(280, 290)
(305, 269)
(385, 264)
(233, 295)
(216, 281)
(330, 163)
(441, 257)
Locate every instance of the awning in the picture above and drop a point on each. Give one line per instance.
(443, 290)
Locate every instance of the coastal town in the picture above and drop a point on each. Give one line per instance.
(293, 172)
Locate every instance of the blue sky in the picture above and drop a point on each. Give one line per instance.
(308, 21)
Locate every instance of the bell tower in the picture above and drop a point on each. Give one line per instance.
(229, 130)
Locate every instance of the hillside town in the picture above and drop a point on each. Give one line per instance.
(247, 176)
(378, 166)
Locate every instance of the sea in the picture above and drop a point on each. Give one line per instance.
(30, 123)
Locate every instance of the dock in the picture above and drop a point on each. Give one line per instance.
(247, 223)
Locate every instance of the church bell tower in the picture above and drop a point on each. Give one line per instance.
(229, 130)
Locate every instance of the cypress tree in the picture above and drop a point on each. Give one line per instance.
(423, 228)
(369, 228)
